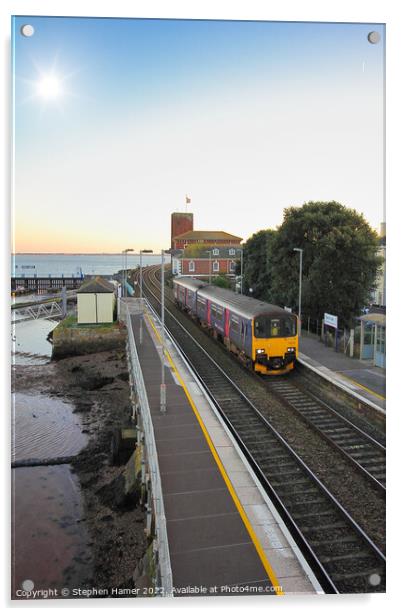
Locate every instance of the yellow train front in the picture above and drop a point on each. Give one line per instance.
(274, 341)
(263, 336)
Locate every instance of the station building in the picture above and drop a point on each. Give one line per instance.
(202, 253)
(208, 261)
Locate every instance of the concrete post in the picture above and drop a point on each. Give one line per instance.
(352, 342)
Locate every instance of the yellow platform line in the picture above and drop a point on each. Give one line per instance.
(266, 564)
(370, 391)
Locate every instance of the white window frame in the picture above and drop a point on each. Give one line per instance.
(191, 266)
(215, 252)
(215, 266)
(232, 251)
(232, 266)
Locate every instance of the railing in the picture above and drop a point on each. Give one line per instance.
(47, 310)
(126, 308)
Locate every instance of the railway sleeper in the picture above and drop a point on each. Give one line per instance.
(348, 555)
(325, 516)
(360, 562)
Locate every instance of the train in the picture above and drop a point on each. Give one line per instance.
(264, 337)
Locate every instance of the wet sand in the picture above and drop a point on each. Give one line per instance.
(64, 532)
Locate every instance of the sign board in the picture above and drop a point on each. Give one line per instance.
(330, 320)
(287, 309)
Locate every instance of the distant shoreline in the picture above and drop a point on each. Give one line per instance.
(77, 254)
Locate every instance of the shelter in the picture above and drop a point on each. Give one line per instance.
(95, 301)
(372, 338)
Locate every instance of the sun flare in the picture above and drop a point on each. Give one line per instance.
(49, 87)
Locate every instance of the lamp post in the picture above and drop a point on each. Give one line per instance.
(241, 269)
(142, 312)
(209, 252)
(125, 251)
(163, 384)
(300, 251)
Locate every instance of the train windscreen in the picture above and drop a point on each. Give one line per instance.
(270, 327)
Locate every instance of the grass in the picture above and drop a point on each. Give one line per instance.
(70, 322)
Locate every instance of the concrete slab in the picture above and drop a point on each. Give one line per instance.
(360, 376)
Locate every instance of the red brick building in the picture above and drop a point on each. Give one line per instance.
(215, 260)
(220, 238)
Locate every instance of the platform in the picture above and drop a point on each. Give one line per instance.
(224, 535)
(360, 377)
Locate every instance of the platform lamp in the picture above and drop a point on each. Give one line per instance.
(209, 252)
(142, 312)
(300, 251)
(241, 269)
(125, 251)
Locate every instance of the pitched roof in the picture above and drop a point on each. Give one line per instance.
(96, 285)
(206, 235)
(200, 251)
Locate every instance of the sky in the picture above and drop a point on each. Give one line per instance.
(117, 120)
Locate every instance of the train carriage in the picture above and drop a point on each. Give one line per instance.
(185, 293)
(263, 336)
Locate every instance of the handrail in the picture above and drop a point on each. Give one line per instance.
(161, 538)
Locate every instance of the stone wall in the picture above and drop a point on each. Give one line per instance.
(81, 340)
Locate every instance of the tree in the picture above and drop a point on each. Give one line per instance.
(339, 260)
(222, 282)
(257, 264)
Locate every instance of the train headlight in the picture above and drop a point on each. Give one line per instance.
(260, 350)
(291, 349)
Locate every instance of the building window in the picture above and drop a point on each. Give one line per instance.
(232, 252)
(191, 266)
(215, 266)
(232, 266)
(215, 252)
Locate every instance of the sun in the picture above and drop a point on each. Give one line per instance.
(49, 87)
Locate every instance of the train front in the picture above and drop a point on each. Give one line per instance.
(275, 343)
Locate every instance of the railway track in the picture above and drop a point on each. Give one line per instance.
(366, 453)
(361, 449)
(341, 554)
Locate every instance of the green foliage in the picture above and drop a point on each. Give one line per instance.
(257, 264)
(339, 260)
(222, 282)
(195, 250)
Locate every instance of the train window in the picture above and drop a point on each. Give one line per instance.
(289, 326)
(219, 312)
(264, 327)
(234, 325)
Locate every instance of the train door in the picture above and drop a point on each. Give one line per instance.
(227, 319)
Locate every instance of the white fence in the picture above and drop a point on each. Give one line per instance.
(144, 421)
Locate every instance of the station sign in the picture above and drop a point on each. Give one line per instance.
(330, 320)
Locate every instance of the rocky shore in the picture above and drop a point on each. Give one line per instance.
(97, 386)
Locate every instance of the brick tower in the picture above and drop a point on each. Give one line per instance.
(181, 223)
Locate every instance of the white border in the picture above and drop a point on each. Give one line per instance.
(388, 12)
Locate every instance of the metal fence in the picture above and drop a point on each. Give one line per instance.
(165, 583)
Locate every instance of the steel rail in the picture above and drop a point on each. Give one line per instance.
(273, 388)
(314, 560)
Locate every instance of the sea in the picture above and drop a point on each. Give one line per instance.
(43, 265)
